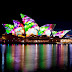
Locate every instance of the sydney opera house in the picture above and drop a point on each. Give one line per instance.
(29, 27)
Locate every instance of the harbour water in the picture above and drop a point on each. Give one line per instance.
(35, 57)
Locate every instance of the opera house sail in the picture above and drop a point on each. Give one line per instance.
(8, 28)
(29, 27)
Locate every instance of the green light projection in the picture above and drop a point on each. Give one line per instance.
(8, 27)
(54, 32)
(26, 27)
(42, 29)
(22, 15)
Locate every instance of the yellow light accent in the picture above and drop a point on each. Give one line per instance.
(3, 37)
(23, 36)
(12, 33)
(19, 35)
(3, 34)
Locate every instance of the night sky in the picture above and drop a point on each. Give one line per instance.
(62, 17)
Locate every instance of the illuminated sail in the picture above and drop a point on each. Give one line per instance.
(17, 24)
(61, 33)
(31, 31)
(43, 29)
(47, 32)
(29, 27)
(8, 27)
(28, 22)
(53, 33)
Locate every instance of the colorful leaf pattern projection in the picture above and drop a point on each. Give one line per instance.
(43, 29)
(29, 26)
(8, 27)
(61, 33)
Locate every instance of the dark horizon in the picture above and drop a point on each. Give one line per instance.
(63, 21)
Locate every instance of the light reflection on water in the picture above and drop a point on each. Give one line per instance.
(3, 50)
(48, 55)
(70, 55)
(32, 57)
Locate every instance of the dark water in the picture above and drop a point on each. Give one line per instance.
(35, 57)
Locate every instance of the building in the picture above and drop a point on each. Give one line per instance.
(29, 27)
